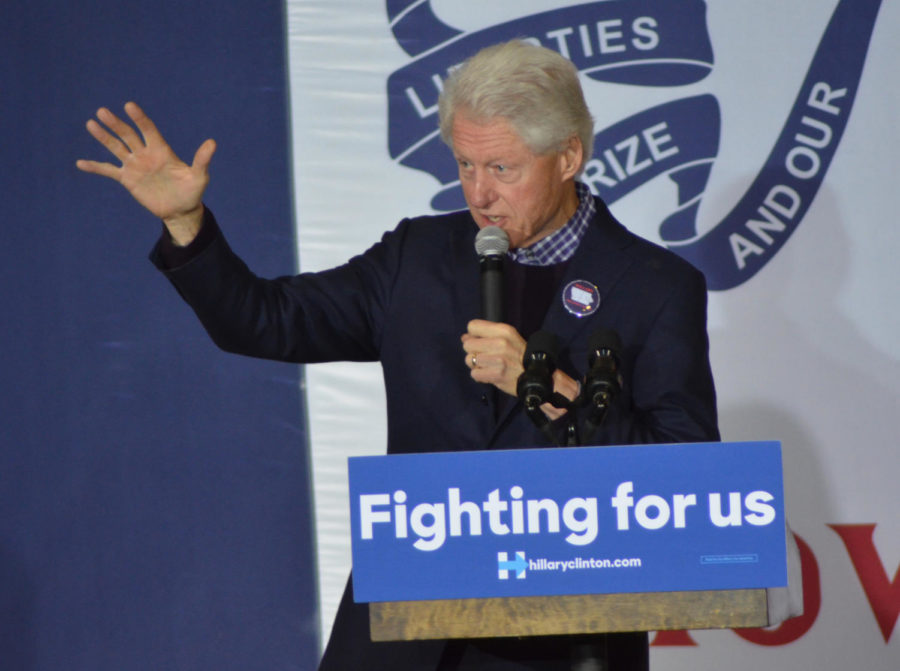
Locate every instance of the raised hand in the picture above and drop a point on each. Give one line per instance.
(159, 180)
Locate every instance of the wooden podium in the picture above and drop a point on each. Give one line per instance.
(579, 614)
(424, 580)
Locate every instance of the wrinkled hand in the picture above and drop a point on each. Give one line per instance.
(494, 353)
(151, 172)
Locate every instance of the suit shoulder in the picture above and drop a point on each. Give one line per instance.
(437, 229)
(665, 260)
(651, 256)
(448, 222)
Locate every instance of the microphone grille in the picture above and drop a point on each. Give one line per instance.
(605, 339)
(543, 341)
(491, 241)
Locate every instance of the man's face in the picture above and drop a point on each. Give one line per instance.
(507, 185)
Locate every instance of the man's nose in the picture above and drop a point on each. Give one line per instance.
(482, 192)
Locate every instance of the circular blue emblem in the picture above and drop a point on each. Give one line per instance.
(581, 298)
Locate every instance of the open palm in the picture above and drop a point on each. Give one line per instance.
(150, 171)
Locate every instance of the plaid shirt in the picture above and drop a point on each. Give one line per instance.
(560, 245)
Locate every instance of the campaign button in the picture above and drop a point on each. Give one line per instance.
(581, 298)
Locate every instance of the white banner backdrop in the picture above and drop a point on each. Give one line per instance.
(805, 351)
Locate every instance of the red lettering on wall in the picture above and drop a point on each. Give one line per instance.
(790, 630)
(882, 593)
(674, 637)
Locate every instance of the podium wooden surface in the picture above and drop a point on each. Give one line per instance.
(579, 614)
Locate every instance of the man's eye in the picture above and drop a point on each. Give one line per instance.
(500, 168)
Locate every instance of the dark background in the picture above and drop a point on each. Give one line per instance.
(154, 492)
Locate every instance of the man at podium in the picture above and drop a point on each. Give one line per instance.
(515, 118)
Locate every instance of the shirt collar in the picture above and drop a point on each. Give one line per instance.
(560, 245)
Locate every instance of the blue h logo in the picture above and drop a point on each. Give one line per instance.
(504, 565)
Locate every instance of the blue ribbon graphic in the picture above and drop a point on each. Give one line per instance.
(647, 43)
(650, 43)
(780, 195)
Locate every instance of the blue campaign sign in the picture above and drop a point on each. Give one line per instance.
(594, 520)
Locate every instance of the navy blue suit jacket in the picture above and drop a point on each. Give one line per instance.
(405, 302)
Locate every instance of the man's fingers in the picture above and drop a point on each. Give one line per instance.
(495, 344)
(113, 144)
(97, 168)
(143, 122)
(124, 131)
(482, 328)
(204, 155)
(495, 370)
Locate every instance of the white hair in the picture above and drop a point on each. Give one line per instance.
(535, 89)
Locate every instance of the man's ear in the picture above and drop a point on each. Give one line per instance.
(571, 157)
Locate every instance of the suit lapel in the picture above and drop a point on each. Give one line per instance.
(599, 261)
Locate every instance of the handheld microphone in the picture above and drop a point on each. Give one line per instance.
(491, 244)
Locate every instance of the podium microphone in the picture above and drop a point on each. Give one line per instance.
(602, 382)
(535, 385)
(491, 244)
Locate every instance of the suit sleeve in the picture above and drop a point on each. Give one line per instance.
(308, 318)
(669, 395)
